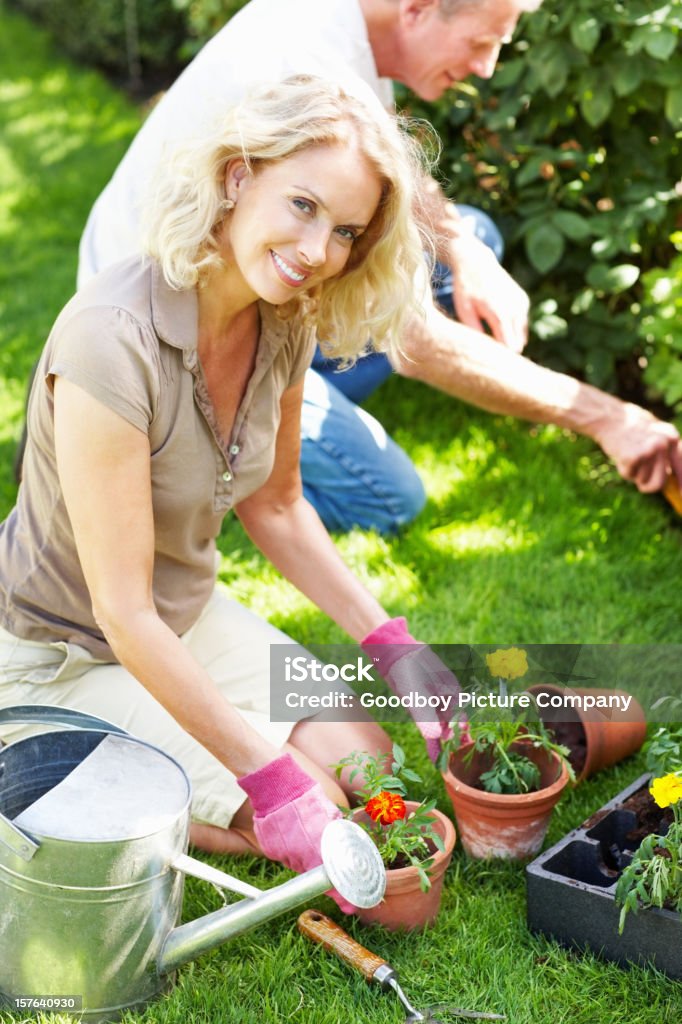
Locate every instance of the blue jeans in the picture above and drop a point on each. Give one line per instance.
(353, 473)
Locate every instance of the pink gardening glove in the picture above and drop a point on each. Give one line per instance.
(411, 667)
(290, 814)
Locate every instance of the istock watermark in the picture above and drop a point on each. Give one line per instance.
(302, 669)
(605, 682)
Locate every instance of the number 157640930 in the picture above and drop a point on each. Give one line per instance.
(40, 1003)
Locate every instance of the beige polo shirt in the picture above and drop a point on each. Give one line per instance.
(131, 342)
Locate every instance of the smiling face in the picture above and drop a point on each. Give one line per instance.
(430, 52)
(295, 221)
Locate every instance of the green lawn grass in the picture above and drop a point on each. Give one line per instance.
(528, 536)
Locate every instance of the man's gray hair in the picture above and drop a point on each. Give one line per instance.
(448, 8)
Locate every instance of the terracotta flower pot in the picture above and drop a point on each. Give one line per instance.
(405, 907)
(503, 825)
(597, 739)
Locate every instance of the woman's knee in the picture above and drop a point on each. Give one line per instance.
(325, 744)
(329, 784)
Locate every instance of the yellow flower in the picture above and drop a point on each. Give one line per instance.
(667, 790)
(511, 663)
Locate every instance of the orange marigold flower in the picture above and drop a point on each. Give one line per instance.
(386, 808)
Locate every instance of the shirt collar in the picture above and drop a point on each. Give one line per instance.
(175, 315)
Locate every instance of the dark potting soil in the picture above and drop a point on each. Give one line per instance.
(572, 735)
(651, 819)
(401, 861)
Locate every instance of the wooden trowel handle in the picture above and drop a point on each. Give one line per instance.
(322, 929)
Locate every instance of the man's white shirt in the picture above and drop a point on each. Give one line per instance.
(266, 41)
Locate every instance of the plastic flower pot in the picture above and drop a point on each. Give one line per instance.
(506, 826)
(595, 738)
(571, 888)
(405, 907)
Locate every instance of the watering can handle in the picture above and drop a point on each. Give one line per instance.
(18, 841)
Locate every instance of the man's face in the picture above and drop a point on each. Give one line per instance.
(432, 53)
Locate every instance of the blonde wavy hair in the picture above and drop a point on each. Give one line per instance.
(375, 293)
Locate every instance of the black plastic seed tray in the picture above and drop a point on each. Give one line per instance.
(571, 889)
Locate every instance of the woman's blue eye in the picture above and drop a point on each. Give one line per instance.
(348, 234)
(303, 204)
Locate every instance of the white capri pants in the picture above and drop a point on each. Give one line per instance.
(228, 640)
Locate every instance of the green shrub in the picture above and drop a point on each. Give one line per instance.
(574, 147)
(130, 37)
(661, 331)
(203, 18)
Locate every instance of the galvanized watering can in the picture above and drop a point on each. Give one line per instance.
(93, 832)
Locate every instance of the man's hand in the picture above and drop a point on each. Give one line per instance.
(457, 360)
(645, 449)
(484, 293)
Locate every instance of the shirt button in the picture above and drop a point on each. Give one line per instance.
(227, 476)
(234, 449)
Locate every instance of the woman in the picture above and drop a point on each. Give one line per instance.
(169, 392)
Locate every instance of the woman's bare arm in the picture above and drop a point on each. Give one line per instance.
(289, 532)
(104, 470)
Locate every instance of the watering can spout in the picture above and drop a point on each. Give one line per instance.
(351, 864)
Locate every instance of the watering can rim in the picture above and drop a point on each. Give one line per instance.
(24, 844)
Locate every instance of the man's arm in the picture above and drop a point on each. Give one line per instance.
(461, 362)
(484, 293)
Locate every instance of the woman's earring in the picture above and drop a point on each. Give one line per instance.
(228, 204)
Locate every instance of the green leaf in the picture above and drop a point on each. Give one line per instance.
(641, 891)
(424, 880)
(530, 171)
(582, 302)
(550, 326)
(572, 225)
(599, 366)
(554, 74)
(596, 104)
(544, 246)
(612, 279)
(550, 60)
(585, 33)
(509, 73)
(660, 43)
(668, 381)
(669, 73)
(504, 118)
(626, 76)
(673, 106)
(605, 248)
